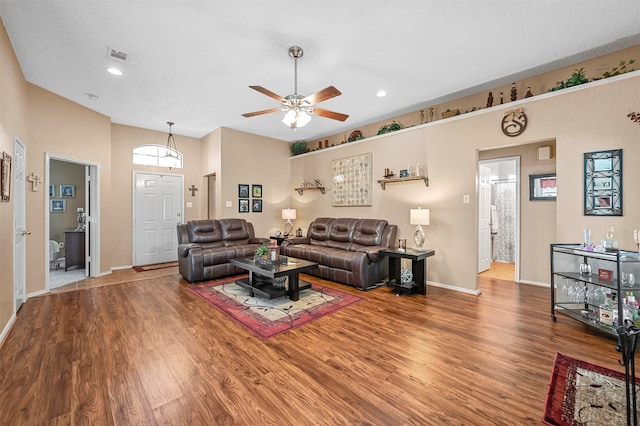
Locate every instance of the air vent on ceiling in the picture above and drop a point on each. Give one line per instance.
(116, 54)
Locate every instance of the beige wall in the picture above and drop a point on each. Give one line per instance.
(587, 118)
(67, 130)
(251, 159)
(13, 123)
(123, 140)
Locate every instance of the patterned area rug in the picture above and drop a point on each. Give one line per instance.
(269, 317)
(581, 393)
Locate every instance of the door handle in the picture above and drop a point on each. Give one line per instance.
(23, 233)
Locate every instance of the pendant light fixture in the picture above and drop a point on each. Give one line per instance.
(172, 157)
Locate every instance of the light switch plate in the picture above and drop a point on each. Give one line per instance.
(466, 199)
(189, 204)
(228, 204)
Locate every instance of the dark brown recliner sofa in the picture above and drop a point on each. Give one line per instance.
(346, 250)
(205, 247)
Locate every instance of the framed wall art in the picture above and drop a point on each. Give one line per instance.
(243, 191)
(67, 191)
(352, 181)
(603, 183)
(256, 205)
(5, 178)
(256, 191)
(243, 205)
(57, 206)
(543, 187)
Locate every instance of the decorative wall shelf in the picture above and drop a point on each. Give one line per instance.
(310, 188)
(383, 182)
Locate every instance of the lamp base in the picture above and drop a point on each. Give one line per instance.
(288, 228)
(418, 237)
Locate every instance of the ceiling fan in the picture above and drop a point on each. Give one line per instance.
(299, 108)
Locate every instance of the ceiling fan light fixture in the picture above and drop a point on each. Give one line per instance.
(296, 118)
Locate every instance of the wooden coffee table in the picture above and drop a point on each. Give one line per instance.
(262, 276)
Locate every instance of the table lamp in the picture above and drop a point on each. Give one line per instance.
(419, 217)
(288, 214)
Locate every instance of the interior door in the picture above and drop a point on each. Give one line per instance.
(484, 218)
(20, 246)
(158, 201)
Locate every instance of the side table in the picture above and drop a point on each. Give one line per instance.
(418, 268)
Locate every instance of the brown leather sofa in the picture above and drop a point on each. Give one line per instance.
(205, 247)
(346, 250)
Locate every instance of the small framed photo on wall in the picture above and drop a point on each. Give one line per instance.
(67, 191)
(57, 206)
(243, 204)
(257, 191)
(52, 191)
(243, 191)
(256, 206)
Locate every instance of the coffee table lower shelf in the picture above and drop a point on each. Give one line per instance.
(268, 290)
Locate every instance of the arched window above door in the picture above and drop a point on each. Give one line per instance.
(157, 155)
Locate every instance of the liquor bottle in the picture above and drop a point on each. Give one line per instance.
(606, 312)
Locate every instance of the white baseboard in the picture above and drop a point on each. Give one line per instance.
(7, 328)
(37, 293)
(116, 268)
(454, 288)
(539, 284)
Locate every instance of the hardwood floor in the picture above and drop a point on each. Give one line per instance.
(150, 352)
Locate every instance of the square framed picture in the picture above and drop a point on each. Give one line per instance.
(243, 204)
(67, 191)
(256, 206)
(243, 191)
(256, 191)
(57, 206)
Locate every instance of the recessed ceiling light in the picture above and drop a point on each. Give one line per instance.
(114, 71)
(381, 93)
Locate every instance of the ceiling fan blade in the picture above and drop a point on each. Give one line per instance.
(330, 114)
(268, 93)
(264, 111)
(322, 95)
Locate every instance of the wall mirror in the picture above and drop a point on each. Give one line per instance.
(603, 183)
(543, 187)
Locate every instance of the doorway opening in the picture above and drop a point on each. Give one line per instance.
(211, 195)
(503, 214)
(71, 242)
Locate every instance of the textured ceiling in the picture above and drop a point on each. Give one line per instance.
(192, 62)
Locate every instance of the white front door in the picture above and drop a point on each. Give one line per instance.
(20, 246)
(158, 201)
(484, 213)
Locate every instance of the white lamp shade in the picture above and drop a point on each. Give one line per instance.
(419, 216)
(299, 118)
(288, 214)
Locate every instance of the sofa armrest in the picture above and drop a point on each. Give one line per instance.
(372, 252)
(185, 249)
(259, 241)
(294, 240)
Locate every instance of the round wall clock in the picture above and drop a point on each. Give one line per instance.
(514, 123)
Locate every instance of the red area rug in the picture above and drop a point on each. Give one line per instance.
(581, 393)
(155, 266)
(270, 317)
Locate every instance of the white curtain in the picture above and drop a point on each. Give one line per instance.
(503, 195)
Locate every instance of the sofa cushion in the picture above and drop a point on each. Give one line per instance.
(319, 230)
(204, 231)
(341, 233)
(234, 231)
(368, 232)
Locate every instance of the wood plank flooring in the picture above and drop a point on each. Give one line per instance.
(149, 352)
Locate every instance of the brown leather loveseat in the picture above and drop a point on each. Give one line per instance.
(346, 249)
(205, 247)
